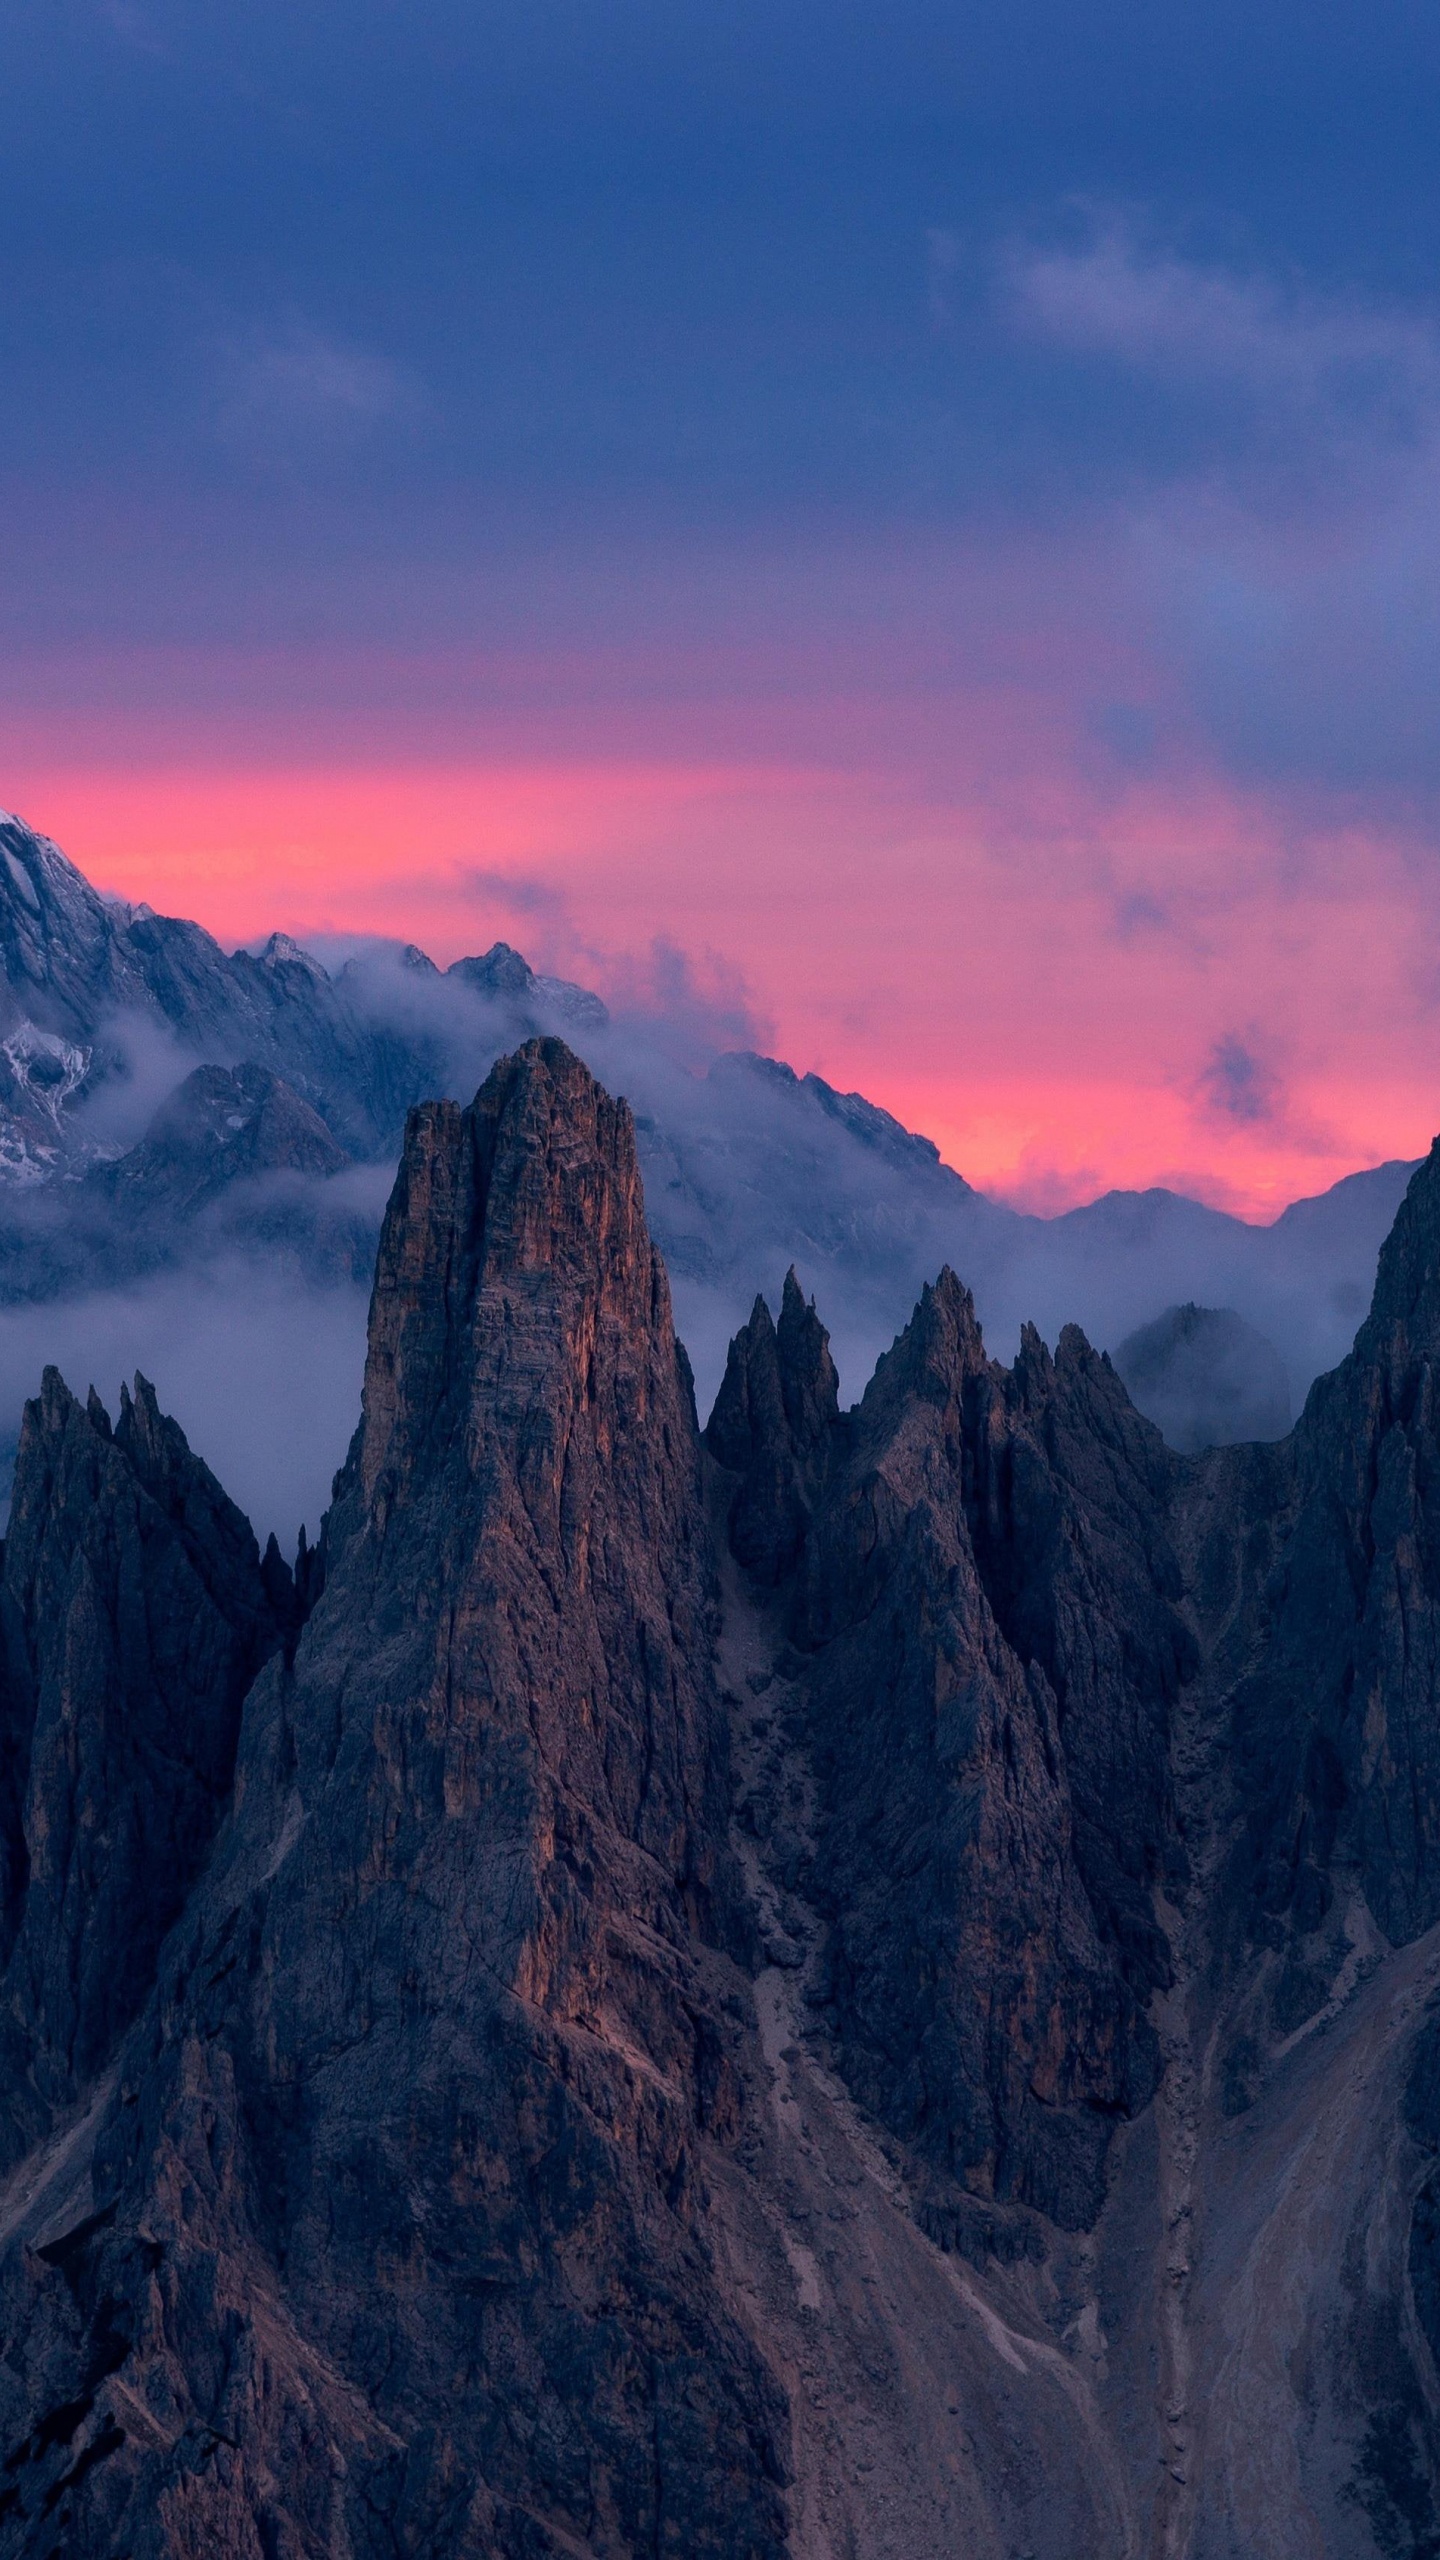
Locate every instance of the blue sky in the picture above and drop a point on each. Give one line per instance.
(763, 383)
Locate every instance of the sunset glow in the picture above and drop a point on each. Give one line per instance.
(1067, 996)
(881, 534)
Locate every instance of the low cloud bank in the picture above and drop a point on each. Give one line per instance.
(244, 1299)
(262, 1373)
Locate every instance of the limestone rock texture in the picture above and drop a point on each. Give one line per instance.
(393, 2233)
(865, 1986)
(777, 1398)
(134, 1617)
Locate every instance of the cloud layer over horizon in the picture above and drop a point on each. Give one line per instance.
(934, 519)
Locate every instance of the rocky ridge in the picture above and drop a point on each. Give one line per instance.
(135, 1614)
(747, 1165)
(862, 1984)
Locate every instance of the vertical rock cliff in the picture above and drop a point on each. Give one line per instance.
(985, 1603)
(395, 2227)
(1338, 1718)
(134, 1618)
(866, 1986)
(771, 1423)
(1116, 1897)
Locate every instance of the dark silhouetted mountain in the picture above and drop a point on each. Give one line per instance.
(134, 1619)
(866, 1984)
(467, 1953)
(778, 1396)
(980, 1993)
(1206, 1379)
(1339, 1706)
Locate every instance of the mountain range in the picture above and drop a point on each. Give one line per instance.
(859, 1981)
(189, 1137)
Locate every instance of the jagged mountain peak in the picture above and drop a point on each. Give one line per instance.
(747, 1167)
(133, 1619)
(809, 1382)
(60, 940)
(777, 1399)
(1206, 1378)
(532, 1192)
(221, 1122)
(282, 951)
(939, 1348)
(582, 2096)
(493, 1773)
(502, 974)
(1405, 1309)
(502, 971)
(877, 1131)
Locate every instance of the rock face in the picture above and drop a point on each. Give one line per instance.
(777, 1401)
(221, 1125)
(404, 2236)
(1118, 1875)
(986, 1601)
(868, 1984)
(1339, 1717)
(75, 967)
(233, 1163)
(134, 1619)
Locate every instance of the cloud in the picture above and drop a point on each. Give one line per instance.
(1241, 1089)
(1139, 912)
(262, 1373)
(520, 893)
(1236, 1084)
(256, 1342)
(685, 1005)
(291, 385)
(1344, 368)
(134, 28)
(142, 1064)
(1130, 732)
(1273, 538)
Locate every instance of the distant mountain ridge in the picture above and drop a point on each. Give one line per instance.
(73, 962)
(112, 1019)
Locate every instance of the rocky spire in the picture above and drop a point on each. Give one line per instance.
(451, 2009)
(1335, 1711)
(1006, 2050)
(777, 1401)
(468, 2184)
(134, 1619)
(1068, 1496)
(809, 1387)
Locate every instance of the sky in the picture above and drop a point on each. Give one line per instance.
(915, 527)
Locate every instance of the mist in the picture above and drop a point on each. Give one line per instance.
(246, 1307)
(141, 1064)
(261, 1372)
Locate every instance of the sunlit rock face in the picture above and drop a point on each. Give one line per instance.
(410, 2127)
(865, 1983)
